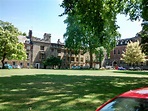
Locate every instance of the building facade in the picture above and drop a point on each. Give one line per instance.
(39, 49)
(116, 53)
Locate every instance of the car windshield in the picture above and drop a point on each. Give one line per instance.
(126, 104)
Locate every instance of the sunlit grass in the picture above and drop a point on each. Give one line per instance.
(63, 90)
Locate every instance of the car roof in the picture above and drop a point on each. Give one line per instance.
(137, 93)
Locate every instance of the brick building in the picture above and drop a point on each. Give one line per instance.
(116, 53)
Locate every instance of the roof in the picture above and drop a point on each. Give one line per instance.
(137, 93)
(127, 40)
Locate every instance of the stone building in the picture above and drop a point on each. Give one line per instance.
(38, 49)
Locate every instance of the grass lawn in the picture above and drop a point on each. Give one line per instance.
(64, 90)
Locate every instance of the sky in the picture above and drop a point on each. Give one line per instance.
(42, 16)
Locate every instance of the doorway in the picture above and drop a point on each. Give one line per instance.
(37, 65)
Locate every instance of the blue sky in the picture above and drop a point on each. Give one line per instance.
(41, 16)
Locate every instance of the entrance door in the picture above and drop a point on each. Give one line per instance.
(38, 65)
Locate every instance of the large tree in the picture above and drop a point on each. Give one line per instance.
(10, 48)
(144, 33)
(138, 9)
(90, 24)
(133, 54)
(79, 37)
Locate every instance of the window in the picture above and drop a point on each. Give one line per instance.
(59, 51)
(42, 56)
(69, 52)
(41, 47)
(28, 64)
(146, 63)
(21, 64)
(72, 59)
(13, 63)
(81, 59)
(121, 43)
(114, 51)
(126, 104)
(118, 51)
(72, 52)
(77, 59)
(52, 50)
(27, 55)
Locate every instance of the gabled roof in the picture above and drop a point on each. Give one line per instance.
(127, 40)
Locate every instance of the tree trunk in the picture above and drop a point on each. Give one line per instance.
(91, 58)
(3, 61)
(100, 60)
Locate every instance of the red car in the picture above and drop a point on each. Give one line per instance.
(133, 100)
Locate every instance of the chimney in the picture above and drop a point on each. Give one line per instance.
(30, 34)
(58, 42)
(47, 37)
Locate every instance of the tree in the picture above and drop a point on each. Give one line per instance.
(88, 22)
(100, 55)
(133, 54)
(144, 32)
(10, 48)
(74, 34)
(24, 34)
(138, 9)
(78, 37)
(144, 39)
(52, 61)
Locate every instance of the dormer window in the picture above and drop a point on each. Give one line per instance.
(121, 43)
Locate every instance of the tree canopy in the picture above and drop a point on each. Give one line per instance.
(90, 24)
(52, 61)
(144, 33)
(10, 48)
(138, 9)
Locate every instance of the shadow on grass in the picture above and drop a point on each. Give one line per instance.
(61, 92)
(133, 72)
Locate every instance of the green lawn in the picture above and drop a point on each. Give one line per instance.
(64, 90)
